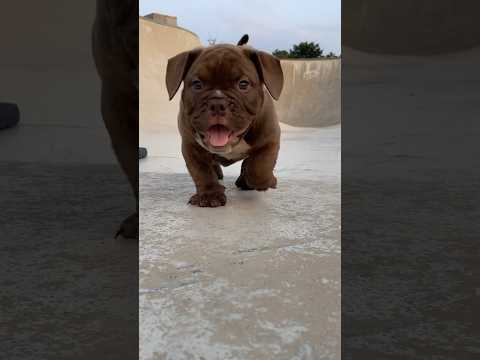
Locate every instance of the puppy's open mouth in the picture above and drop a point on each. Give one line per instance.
(218, 135)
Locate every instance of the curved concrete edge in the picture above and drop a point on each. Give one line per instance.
(157, 43)
(310, 98)
(167, 25)
(311, 95)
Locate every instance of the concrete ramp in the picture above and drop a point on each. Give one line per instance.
(157, 44)
(312, 93)
(311, 96)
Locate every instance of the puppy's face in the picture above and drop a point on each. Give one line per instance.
(223, 91)
(222, 95)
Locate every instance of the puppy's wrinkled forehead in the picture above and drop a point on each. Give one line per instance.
(221, 65)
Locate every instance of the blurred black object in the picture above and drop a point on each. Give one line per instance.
(9, 115)
(243, 40)
(142, 152)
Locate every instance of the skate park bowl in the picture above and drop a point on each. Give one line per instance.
(310, 98)
(254, 263)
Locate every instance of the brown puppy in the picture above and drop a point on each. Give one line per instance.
(226, 116)
(115, 50)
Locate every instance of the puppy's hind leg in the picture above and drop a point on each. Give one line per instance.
(218, 171)
(240, 182)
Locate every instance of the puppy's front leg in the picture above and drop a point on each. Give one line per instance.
(201, 166)
(257, 169)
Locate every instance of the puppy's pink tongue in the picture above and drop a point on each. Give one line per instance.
(218, 135)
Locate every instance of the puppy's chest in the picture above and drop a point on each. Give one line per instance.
(239, 151)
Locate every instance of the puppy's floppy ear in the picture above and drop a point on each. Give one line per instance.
(270, 71)
(177, 68)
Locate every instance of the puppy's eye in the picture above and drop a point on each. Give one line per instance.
(243, 84)
(197, 84)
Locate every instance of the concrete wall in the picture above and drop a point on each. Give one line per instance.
(47, 68)
(162, 19)
(157, 44)
(311, 95)
(410, 26)
(50, 51)
(33, 34)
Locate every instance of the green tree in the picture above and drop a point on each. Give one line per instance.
(281, 54)
(306, 50)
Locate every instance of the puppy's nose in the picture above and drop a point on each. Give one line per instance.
(217, 107)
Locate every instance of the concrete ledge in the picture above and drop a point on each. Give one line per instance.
(169, 25)
(162, 19)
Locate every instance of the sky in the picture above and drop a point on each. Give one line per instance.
(271, 24)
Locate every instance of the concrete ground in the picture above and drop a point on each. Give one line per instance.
(409, 164)
(260, 277)
(67, 285)
(256, 279)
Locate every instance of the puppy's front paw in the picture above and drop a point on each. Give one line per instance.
(129, 227)
(209, 199)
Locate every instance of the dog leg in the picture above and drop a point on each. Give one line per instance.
(203, 170)
(257, 169)
(218, 171)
